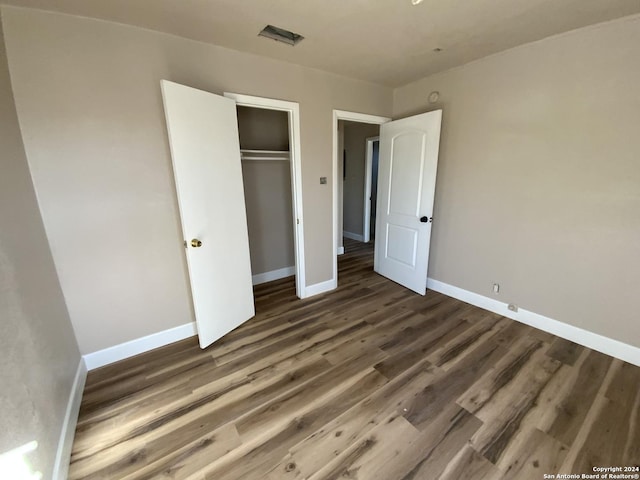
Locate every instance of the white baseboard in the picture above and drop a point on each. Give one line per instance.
(63, 454)
(341, 250)
(603, 344)
(265, 277)
(321, 287)
(140, 345)
(353, 236)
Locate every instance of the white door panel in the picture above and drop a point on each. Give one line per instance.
(407, 157)
(203, 134)
(399, 237)
(406, 187)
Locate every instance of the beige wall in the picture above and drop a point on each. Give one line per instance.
(355, 144)
(38, 351)
(88, 99)
(539, 177)
(263, 129)
(267, 192)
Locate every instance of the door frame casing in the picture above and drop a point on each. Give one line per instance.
(293, 111)
(350, 117)
(368, 179)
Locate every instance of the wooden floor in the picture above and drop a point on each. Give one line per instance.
(367, 382)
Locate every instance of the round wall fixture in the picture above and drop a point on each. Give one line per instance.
(433, 97)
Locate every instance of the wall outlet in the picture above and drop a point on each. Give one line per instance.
(496, 288)
(513, 307)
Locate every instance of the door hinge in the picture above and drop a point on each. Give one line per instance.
(297, 221)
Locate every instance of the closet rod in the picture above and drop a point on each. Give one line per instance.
(262, 159)
(280, 155)
(266, 151)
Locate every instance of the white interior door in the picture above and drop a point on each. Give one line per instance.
(406, 185)
(203, 134)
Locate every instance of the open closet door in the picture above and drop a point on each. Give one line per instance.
(203, 134)
(408, 162)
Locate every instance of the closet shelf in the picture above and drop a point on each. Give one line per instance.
(261, 155)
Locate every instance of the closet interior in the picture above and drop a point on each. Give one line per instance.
(266, 174)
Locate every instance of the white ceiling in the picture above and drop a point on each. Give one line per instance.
(389, 42)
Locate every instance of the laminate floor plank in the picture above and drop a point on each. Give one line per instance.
(468, 464)
(600, 448)
(444, 315)
(576, 396)
(505, 409)
(503, 372)
(374, 456)
(625, 385)
(138, 401)
(452, 351)
(438, 443)
(536, 454)
(565, 351)
(269, 433)
(173, 424)
(325, 444)
(447, 386)
(368, 382)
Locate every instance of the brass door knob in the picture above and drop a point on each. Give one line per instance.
(195, 243)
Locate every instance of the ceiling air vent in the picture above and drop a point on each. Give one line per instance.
(281, 35)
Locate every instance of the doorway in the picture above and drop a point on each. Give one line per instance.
(266, 177)
(371, 188)
(352, 132)
(269, 132)
(408, 159)
(354, 192)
